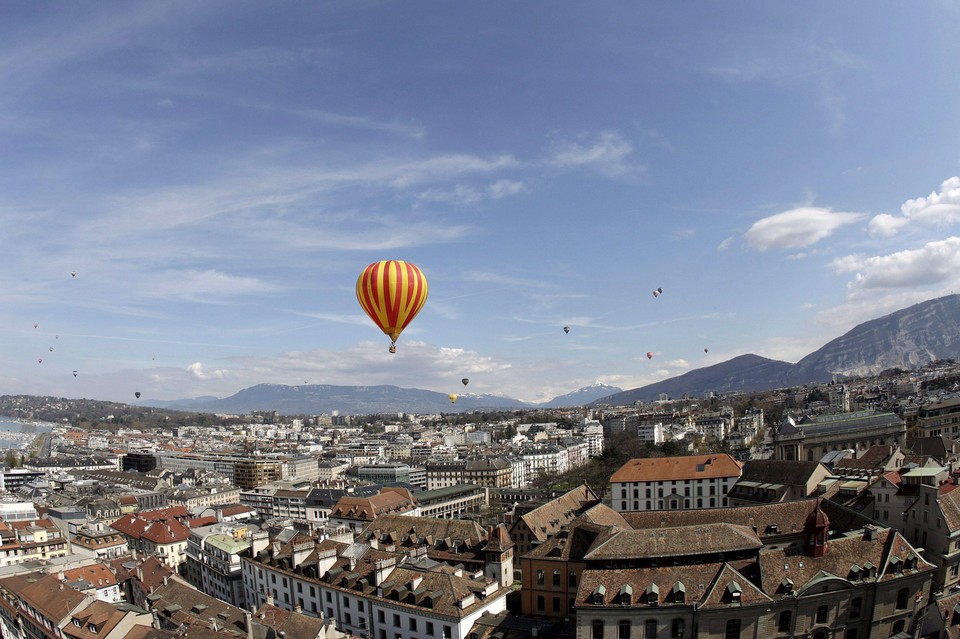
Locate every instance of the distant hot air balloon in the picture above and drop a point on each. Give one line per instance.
(706, 350)
(51, 349)
(649, 354)
(73, 273)
(74, 373)
(566, 329)
(56, 337)
(465, 380)
(39, 360)
(36, 325)
(452, 398)
(392, 292)
(137, 394)
(657, 292)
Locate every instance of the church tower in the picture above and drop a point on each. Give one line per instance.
(816, 530)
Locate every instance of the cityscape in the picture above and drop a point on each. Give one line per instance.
(503, 320)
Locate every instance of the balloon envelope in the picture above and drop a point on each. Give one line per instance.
(452, 398)
(649, 354)
(137, 394)
(465, 381)
(566, 329)
(392, 292)
(74, 373)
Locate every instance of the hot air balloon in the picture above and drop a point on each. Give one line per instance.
(452, 398)
(56, 337)
(39, 360)
(566, 329)
(706, 350)
(649, 354)
(137, 394)
(74, 373)
(657, 292)
(73, 273)
(465, 381)
(36, 325)
(51, 349)
(392, 292)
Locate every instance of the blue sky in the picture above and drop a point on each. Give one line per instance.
(217, 174)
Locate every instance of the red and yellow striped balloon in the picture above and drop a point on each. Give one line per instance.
(392, 292)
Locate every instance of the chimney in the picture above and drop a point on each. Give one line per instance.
(164, 580)
(156, 620)
(269, 598)
(248, 623)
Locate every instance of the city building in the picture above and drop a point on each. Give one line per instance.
(812, 437)
(674, 483)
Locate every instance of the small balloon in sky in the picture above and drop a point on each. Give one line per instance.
(452, 398)
(465, 381)
(74, 373)
(649, 354)
(39, 360)
(36, 325)
(51, 349)
(566, 329)
(73, 273)
(657, 292)
(137, 394)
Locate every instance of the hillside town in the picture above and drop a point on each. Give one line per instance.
(823, 511)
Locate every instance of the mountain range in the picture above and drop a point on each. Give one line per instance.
(906, 339)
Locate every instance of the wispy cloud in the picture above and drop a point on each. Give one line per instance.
(608, 153)
(934, 263)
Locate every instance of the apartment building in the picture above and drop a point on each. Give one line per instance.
(674, 483)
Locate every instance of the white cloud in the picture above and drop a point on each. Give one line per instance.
(725, 244)
(886, 225)
(934, 263)
(196, 369)
(939, 209)
(608, 154)
(201, 286)
(797, 228)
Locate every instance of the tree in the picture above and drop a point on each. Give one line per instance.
(12, 461)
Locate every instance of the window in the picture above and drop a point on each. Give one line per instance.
(346, 602)
(850, 634)
(396, 621)
(348, 619)
(856, 605)
(572, 579)
(329, 597)
(540, 577)
(430, 628)
(821, 616)
(556, 604)
(412, 624)
(596, 629)
(649, 629)
(360, 605)
(556, 577)
(447, 632)
(541, 603)
(676, 628)
(897, 627)
(733, 629)
(784, 621)
(380, 616)
(902, 596)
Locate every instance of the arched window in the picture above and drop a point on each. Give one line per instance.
(733, 629)
(784, 621)
(902, 596)
(821, 614)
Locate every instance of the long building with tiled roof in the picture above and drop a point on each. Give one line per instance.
(674, 483)
(817, 578)
(370, 592)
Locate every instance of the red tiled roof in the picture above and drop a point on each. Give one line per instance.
(678, 468)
